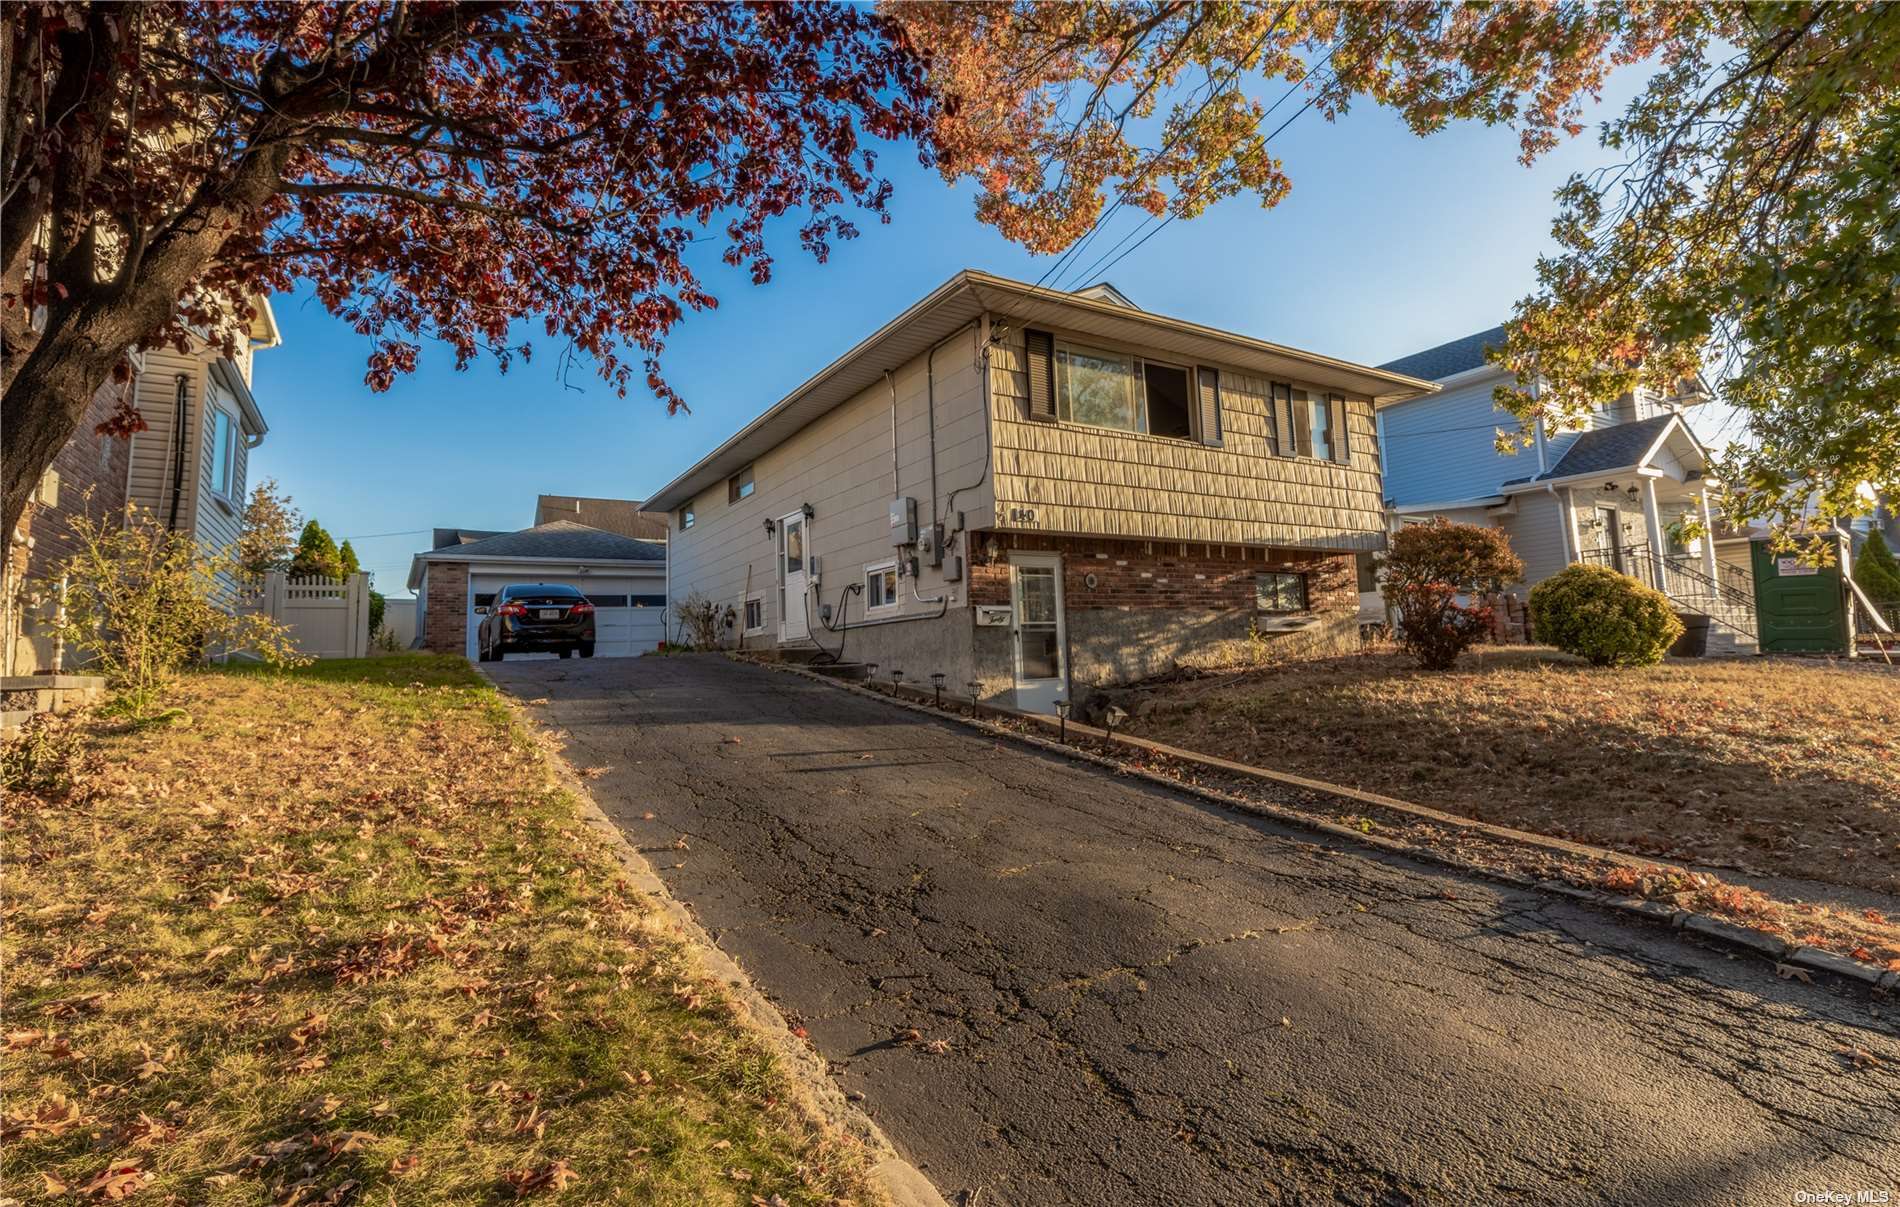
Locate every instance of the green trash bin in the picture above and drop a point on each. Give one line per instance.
(1801, 608)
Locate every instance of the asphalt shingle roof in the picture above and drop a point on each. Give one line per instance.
(1604, 449)
(444, 537)
(563, 539)
(1434, 364)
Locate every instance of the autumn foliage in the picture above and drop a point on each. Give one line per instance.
(431, 171)
(1434, 579)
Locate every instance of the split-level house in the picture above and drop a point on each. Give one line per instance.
(1613, 492)
(187, 470)
(1034, 493)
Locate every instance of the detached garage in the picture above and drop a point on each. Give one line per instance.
(623, 577)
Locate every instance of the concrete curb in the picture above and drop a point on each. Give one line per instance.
(903, 1184)
(1720, 931)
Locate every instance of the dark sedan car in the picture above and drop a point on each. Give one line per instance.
(536, 617)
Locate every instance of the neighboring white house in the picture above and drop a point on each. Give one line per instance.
(1610, 493)
(624, 578)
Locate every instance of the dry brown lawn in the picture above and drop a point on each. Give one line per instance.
(340, 937)
(1781, 767)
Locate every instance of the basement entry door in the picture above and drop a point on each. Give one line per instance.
(792, 578)
(1035, 581)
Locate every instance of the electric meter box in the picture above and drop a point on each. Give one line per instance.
(903, 522)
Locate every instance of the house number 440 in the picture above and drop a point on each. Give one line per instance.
(1022, 515)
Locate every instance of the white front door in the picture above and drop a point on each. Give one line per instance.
(1035, 581)
(792, 625)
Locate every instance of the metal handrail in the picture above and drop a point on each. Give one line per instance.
(1723, 591)
(1738, 611)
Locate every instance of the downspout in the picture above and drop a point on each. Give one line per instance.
(930, 410)
(989, 440)
(890, 383)
(178, 455)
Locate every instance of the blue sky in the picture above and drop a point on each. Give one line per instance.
(1389, 243)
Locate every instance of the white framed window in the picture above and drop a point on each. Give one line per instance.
(754, 614)
(1097, 387)
(1104, 388)
(880, 587)
(221, 436)
(739, 486)
(687, 517)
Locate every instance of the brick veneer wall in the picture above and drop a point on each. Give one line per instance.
(1166, 574)
(1160, 604)
(92, 480)
(445, 608)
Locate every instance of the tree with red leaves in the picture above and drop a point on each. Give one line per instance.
(431, 169)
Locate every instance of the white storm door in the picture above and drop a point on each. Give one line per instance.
(1035, 581)
(792, 556)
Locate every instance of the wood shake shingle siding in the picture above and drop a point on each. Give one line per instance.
(1100, 482)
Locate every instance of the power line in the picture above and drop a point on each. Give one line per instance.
(1171, 217)
(376, 536)
(1076, 249)
(1091, 270)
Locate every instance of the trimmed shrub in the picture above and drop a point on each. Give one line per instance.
(1610, 619)
(1435, 576)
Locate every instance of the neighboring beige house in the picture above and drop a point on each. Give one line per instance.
(1613, 492)
(1039, 493)
(187, 470)
(190, 466)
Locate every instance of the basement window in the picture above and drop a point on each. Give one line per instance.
(880, 587)
(1280, 591)
(754, 615)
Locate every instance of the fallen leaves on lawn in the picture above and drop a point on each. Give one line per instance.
(555, 1176)
(322, 904)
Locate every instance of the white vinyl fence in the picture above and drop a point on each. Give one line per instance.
(327, 617)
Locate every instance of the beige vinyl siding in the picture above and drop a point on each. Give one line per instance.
(150, 481)
(1091, 481)
(217, 519)
(1536, 533)
(149, 484)
(841, 465)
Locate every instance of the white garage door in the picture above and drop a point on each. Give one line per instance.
(629, 610)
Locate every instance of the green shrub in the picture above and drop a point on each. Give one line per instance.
(1605, 617)
(145, 602)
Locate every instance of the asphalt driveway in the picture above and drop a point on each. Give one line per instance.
(1121, 994)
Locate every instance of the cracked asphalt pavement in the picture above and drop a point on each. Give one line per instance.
(1149, 999)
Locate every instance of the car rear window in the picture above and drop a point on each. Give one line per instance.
(551, 591)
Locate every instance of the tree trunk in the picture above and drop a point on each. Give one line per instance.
(43, 405)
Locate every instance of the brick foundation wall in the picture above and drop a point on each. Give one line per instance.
(92, 480)
(1156, 605)
(445, 608)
